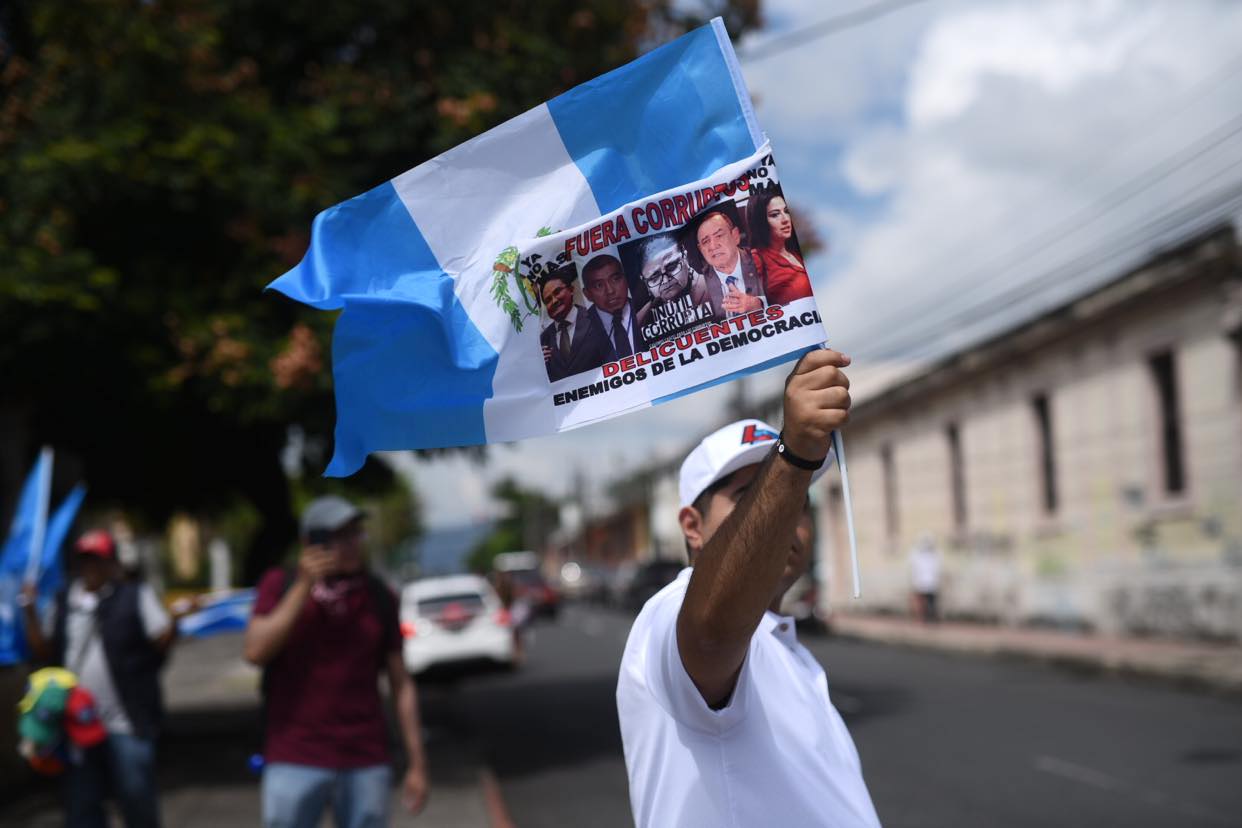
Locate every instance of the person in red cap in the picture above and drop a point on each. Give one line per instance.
(115, 635)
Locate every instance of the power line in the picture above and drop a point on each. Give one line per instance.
(1163, 226)
(1187, 220)
(1058, 234)
(833, 25)
(1039, 244)
(1168, 229)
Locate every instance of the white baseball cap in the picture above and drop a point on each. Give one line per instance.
(724, 451)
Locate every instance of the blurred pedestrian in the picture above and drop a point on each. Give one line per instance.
(925, 579)
(115, 635)
(323, 635)
(725, 717)
(518, 607)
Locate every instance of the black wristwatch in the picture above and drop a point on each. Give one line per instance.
(794, 460)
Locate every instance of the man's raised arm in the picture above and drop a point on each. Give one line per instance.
(738, 571)
(266, 634)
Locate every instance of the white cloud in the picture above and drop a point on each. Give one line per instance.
(1055, 49)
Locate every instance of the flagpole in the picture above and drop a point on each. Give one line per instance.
(838, 445)
(39, 531)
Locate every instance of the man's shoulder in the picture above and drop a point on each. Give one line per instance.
(272, 585)
(700, 287)
(662, 609)
(752, 262)
(592, 321)
(381, 590)
(274, 576)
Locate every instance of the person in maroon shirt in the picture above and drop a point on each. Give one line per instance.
(323, 634)
(772, 238)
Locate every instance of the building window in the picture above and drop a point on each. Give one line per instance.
(957, 476)
(890, 491)
(1047, 453)
(1164, 379)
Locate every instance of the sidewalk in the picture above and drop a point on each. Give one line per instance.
(212, 701)
(1216, 667)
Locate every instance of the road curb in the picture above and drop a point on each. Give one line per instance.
(1218, 673)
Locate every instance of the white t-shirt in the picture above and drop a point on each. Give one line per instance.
(925, 569)
(777, 755)
(84, 652)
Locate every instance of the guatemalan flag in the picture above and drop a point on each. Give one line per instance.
(426, 353)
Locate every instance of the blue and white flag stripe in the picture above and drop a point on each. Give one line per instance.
(422, 356)
(230, 613)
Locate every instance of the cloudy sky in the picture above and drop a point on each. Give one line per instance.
(969, 164)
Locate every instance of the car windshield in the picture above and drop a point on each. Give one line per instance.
(470, 601)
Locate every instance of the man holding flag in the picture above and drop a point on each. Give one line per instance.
(725, 717)
(115, 635)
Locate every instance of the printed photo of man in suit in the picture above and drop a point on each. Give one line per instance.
(735, 277)
(604, 283)
(573, 341)
(680, 299)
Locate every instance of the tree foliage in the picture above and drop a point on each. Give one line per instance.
(529, 519)
(160, 162)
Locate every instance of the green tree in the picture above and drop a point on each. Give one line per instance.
(160, 162)
(529, 519)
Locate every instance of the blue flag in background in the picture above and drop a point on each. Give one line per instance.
(14, 558)
(52, 569)
(430, 349)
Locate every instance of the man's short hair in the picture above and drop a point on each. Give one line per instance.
(707, 216)
(598, 263)
(566, 273)
(702, 503)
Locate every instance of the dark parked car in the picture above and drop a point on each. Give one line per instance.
(650, 578)
(529, 584)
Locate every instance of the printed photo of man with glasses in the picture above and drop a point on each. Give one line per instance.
(678, 294)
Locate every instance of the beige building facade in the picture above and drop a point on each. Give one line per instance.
(1083, 470)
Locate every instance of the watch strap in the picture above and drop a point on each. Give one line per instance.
(794, 460)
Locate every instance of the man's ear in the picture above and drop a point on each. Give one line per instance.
(737, 236)
(691, 527)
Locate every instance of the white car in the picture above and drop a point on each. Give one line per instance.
(455, 620)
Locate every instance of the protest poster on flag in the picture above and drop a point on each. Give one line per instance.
(444, 339)
(665, 295)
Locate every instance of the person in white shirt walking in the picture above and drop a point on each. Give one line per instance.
(925, 579)
(725, 718)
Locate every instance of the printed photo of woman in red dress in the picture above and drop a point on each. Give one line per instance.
(772, 238)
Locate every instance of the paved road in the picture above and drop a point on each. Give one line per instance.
(945, 741)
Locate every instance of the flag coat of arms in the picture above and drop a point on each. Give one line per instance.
(443, 340)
